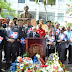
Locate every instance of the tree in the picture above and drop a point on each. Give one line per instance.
(6, 6)
(51, 2)
(69, 8)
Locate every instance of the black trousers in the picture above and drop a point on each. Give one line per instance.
(10, 50)
(23, 49)
(70, 53)
(62, 56)
(61, 53)
(17, 50)
(0, 59)
(69, 48)
(66, 53)
(4, 49)
(49, 51)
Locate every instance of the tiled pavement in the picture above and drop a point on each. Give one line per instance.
(68, 66)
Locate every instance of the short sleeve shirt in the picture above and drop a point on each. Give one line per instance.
(41, 32)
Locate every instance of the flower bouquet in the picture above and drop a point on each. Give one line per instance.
(26, 64)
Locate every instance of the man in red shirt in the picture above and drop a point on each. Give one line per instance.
(41, 31)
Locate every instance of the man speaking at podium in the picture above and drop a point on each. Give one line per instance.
(33, 33)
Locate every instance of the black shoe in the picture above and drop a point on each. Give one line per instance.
(4, 59)
(7, 66)
(0, 70)
(70, 63)
(65, 59)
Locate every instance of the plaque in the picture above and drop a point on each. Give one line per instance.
(36, 46)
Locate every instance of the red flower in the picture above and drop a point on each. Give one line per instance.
(26, 64)
(64, 69)
(59, 61)
(20, 60)
(29, 70)
(35, 69)
(63, 65)
(22, 69)
(45, 65)
(42, 65)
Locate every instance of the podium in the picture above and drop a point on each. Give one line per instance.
(36, 46)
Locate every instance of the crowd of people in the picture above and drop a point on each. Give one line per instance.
(13, 35)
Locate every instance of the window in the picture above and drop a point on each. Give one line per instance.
(32, 0)
(19, 12)
(4, 0)
(39, 0)
(21, 1)
(60, 17)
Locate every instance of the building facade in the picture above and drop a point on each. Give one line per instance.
(54, 13)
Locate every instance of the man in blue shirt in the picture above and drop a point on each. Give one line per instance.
(68, 33)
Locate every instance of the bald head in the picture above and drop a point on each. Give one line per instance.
(40, 26)
(42, 21)
(34, 29)
(11, 24)
(68, 28)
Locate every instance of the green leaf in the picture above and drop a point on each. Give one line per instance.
(44, 2)
(26, 55)
(36, 1)
(51, 2)
(7, 6)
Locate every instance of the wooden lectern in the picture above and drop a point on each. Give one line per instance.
(36, 46)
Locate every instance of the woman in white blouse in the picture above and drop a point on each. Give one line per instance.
(50, 43)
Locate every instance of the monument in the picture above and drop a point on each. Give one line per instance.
(25, 14)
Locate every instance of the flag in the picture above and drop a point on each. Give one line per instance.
(52, 33)
(22, 41)
(14, 35)
(63, 37)
(57, 31)
(52, 38)
(29, 29)
(1, 38)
